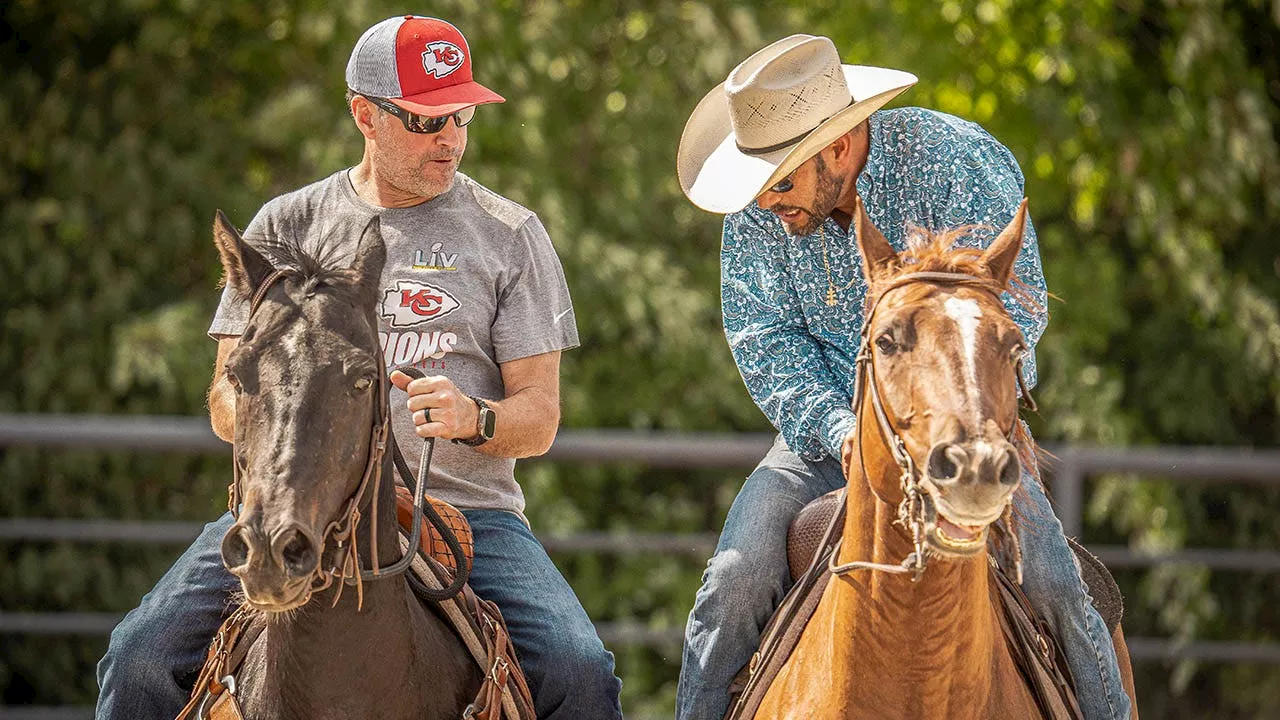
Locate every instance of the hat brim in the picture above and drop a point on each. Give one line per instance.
(449, 100)
(718, 177)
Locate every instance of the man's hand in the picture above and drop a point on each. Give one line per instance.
(439, 408)
(847, 450)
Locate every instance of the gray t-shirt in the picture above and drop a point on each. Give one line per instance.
(471, 281)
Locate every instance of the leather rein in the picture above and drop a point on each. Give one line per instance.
(345, 568)
(911, 511)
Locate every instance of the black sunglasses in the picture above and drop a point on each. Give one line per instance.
(782, 186)
(423, 124)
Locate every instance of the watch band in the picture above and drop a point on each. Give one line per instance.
(486, 423)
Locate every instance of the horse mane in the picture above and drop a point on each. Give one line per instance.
(945, 251)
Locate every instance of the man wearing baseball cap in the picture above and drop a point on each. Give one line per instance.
(785, 147)
(474, 295)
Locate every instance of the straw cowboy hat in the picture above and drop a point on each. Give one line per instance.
(776, 110)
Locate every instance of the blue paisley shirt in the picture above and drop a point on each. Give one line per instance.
(796, 355)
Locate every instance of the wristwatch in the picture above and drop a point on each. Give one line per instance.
(486, 421)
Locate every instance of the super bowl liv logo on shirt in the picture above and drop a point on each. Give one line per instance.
(436, 259)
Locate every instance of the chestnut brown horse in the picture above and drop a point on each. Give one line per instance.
(933, 466)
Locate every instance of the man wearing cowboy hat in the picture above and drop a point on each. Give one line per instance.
(784, 147)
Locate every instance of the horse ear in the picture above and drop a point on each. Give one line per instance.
(371, 256)
(243, 268)
(877, 253)
(1005, 248)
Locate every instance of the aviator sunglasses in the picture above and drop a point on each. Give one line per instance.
(423, 124)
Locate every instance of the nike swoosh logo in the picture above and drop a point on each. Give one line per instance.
(560, 317)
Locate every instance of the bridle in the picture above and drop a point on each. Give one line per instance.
(911, 511)
(345, 568)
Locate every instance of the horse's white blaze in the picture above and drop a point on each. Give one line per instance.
(967, 313)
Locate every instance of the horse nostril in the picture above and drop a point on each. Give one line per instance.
(1009, 470)
(297, 553)
(945, 460)
(235, 549)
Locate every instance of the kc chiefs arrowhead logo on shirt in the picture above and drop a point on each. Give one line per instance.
(410, 303)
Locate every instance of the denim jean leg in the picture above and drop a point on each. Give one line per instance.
(1051, 580)
(163, 641)
(746, 579)
(570, 673)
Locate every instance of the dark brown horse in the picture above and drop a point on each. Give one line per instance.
(318, 510)
(936, 462)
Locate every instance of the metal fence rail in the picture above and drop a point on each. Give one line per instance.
(1071, 470)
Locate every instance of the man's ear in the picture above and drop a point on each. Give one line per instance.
(243, 268)
(1004, 249)
(878, 255)
(362, 112)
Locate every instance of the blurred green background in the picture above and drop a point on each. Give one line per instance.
(1148, 131)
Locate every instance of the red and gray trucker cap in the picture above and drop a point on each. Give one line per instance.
(421, 64)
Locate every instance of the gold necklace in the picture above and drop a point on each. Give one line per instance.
(831, 285)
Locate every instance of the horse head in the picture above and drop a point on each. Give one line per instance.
(309, 385)
(939, 377)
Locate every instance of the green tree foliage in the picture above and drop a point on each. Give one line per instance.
(1147, 130)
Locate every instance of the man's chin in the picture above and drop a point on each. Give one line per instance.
(800, 229)
(799, 222)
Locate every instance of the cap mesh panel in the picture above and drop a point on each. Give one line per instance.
(372, 67)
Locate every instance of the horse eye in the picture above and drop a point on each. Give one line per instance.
(886, 344)
(364, 383)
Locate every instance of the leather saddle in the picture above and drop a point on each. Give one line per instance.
(810, 541)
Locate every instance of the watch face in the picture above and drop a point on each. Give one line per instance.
(488, 419)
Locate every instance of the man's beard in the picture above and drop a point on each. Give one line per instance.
(417, 180)
(829, 187)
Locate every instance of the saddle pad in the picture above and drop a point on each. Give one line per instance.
(806, 532)
(433, 544)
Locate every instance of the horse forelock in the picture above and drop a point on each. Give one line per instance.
(310, 269)
(942, 251)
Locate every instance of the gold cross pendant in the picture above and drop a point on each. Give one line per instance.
(831, 297)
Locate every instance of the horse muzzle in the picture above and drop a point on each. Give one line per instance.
(275, 572)
(967, 487)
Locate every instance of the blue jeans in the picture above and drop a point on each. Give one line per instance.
(159, 646)
(748, 576)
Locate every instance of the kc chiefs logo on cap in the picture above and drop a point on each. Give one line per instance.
(410, 303)
(442, 58)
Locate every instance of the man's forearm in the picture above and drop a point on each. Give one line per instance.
(222, 410)
(526, 424)
(222, 397)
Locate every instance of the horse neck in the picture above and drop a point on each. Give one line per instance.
(379, 640)
(927, 646)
